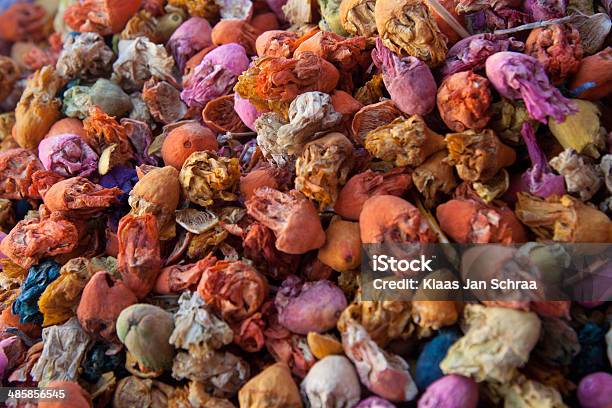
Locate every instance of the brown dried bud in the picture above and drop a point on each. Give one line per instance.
(463, 100)
(434, 177)
(371, 117)
(357, 17)
(236, 31)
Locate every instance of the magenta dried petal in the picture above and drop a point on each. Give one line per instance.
(247, 112)
(409, 81)
(450, 391)
(540, 10)
(192, 36)
(520, 76)
(539, 179)
(67, 155)
(232, 57)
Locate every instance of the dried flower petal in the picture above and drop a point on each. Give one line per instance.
(434, 177)
(235, 31)
(67, 155)
(80, 197)
(581, 130)
(163, 101)
(104, 17)
(189, 38)
(464, 100)
(332, 381)
(272, 388)
(39, 277)
(581, 176)
(545, 9)
(9, 74)
(371, 117)
(357, 17)
(17, 167)
(206, 177)
(85, 56)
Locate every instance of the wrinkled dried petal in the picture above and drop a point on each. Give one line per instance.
(357, 17)
(163, 101)
(79, 196)
(235, 31)
(104, 17)
(259, 246)
(371, 117)
(191, 36)
(39, 277)
(581, 176)
(9, 74)
(84, 56)
(16, 168)
(220, 116)
(206, 177)
(464, 100)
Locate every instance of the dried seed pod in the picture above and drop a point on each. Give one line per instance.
(409, 81)
(272, 388)
(386, 218)
(220, 115)
(361, 187)
(450, 391)
(342, 249)
(184, 140)
(357, 17)
(497, 341)
(234, 289)
(332, 381)
(435, 177)
(478, 156)
(9, 74)
(371, 117)
(408, 27)
(78, 196)
(404, 142)
(190, 37)
(581, 130)
(582, 177)
(464, 100)
(139, 260)
(291, 216)
(84, 56)
(323, 166)
(38, 108)
(593, 80)
(206, 177)
(235, 31)
(17, 167)
(103, 17)
(163, 101)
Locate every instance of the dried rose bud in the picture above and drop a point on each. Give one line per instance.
(520, 76)
(323, 167)
(332, 381)
(409, 81)
(582, 177)
(139, 259)
(103, 17)
(593, 80)
(383, 373)
(67, 155)
(80, 197)
(404, 142)
(184, 140)
(434, 314)
(435, 177)
(386, 218)
(145, 331)
(564, 219)
(291, 216)
(464, 100)
(234, 289)
(357, 17)
(9, 74)
(592, 390)
(102, 301)
(323, 345)
(450, 391)
(362, 186)
(264, 176)
(272, 388)
(478, 156)
(265, 22)
(374, 402)
(344, 53)
(16, 168)
(408, 27)
(145, 24)
(75, 395)
(582, 130)
(309, 307)
(84, 56)
(342, 249)
(163, 101)
(103, 131)
(545, 9)
(206, 177)
(371, 117)
(470, 221)
(276, 43)
(189, 38)
(237, 32)
(246, 111)
(220, 115)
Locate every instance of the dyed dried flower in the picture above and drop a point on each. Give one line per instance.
(342, 249)
(520, 76)
(582, 177)
(300, 12)
(103, 17)
(409, 81)
(184, 140)
(78, 196)
(450, 391)
(478, 156)
(246, 111)
(545, 9)
(206, 177)
(103, 132)
(162, 99)
(291, 216)
(371, 117)
(357, 17)
(434, 314)
(463, 100)
(374, 402)
(38, 278)
(9, 74)
(361, 187)
(84, 56)
(208, 9)
(16, 168)
(407, 27)
(235, 31)
(105, 94)
(332, 381)
(67, 155)
(434, 177)
(323, 345)
(38, 108)
(272, 388)
(76, 396)
(144, 392)
(344, 53)
(592, 390)
(262, 176)
(581, 130)
(259, 246)
(144, 24)
(593, 80)
(276, 43)
(220, 115)
(190, 37)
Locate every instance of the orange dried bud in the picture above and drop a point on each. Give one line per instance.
(101, 16)
(265, 22)
(16, 169)
(464, 100)
(139, 259)
(387, 218)
(276, 43)
(371, 117)
(67, 126)
(220, 116)
(103, 131)
(184, 140)
(342, 249)
(595, 69)
(344, 53)
(434, 314)
(80, 197)
(344, 103)
(265, 176)
(259, 246)
(178, 278)
(235, 31)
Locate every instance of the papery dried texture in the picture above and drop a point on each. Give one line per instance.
(371, 117)
(469, 221)
(408, 80)
(331, 382)
(478, 155)
(564, 219)
(220, 115)
(557, 47)
(383, 373)
(330, 17)
(291, 216)
(145, 330)
(208, 9)
(80, 197)
(108, 96)
(34, 284)
(191, 36)
(497, 341)
(404, 142)
(233, 31)
(234, 289)
(67, 155)
(357, 17)
(236, 9)
(521, 392)
(206, 177)
(323, 167)
(184, 140)
(582, 177)
(407, 27)
(84, 56)
(581, 131)
(139, 60)
(140, 111)
(342, 249)
(309, 307)
(259, 246)
(299, 12)
(362, 186)
(520, 76)
(508, 118)
(592, 390)
(434, 314)
(9, 74)
(434, 178)
(143, 24)
(140, 137)
(215, 75)
(271, 83)
(451, 391)
(133, 391)
(545, 9)
(163, 100)
(593, 80)
(61, 298)
(344, 53)
(272, 388)
(491, 20)
(75, 395)
(33, 239)
(102, 16)
(64, 349)
(248, 334)
(267, 126)
(38, 107)
(16, 167)
(139, 259)
(103, 131)
(276, 43)
(464, 100)
(386, 218)
(264, 176)
(102, 301)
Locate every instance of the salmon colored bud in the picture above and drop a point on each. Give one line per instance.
(272, 388)
(265, 22)
(276, 43)
(101, 16)
(593, 80)
(67, 126)
(344, 103)
(345, 53)
(386, 218)
(16, 169)
(235, 31)
(74, 396)
(266, 176)
(464, 100)
(80, 196)
(184, 140)
(342, 249)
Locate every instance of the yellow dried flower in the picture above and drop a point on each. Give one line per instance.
(206, 176)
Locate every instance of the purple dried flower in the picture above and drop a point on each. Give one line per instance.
(520, 76)
(374, 402)
(594, 390)
(247, 112)
(140, 137)
(67, 155)
(539, 179)
(540, 10)
(192, 36)
(450, 391)
(500, 19)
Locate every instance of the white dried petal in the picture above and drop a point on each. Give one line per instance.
(581, 176)
(195, 221)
